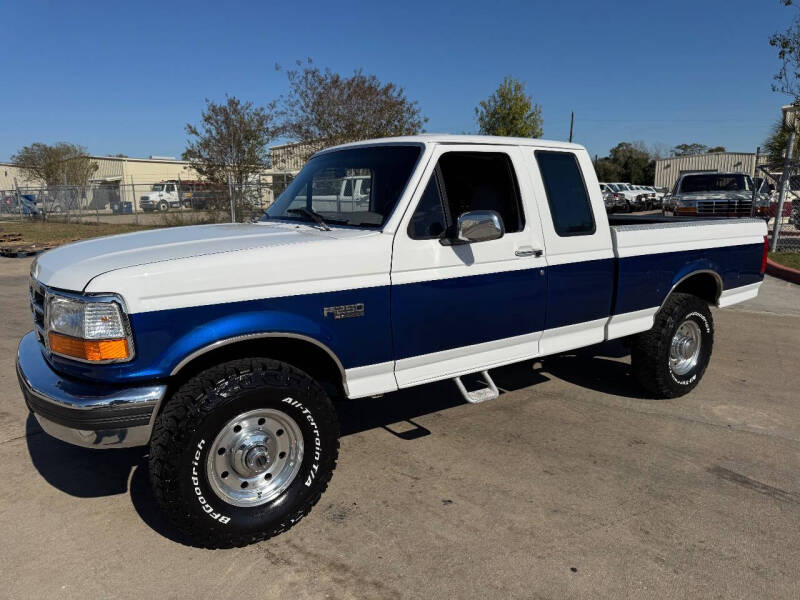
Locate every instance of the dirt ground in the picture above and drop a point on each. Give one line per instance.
(571, 484)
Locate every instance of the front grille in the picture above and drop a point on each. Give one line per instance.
(37, 293)
(724, 207)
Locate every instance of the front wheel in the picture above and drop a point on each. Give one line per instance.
(671, 358)
(243, 451)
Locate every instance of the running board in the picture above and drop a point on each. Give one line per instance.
(483, 394)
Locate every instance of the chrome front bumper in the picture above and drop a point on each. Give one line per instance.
(82, 413)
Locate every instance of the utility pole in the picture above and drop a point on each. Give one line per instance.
(789, 119)
(230, 191)
(571, 124)
(756, 189)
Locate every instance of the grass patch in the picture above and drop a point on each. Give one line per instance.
(48, 232)
(787, 259)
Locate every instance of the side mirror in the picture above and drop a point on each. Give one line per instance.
(479, 226)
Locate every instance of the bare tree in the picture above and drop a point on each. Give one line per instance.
(61, 163)
(787, 42)
(324, 108)
(231, 140)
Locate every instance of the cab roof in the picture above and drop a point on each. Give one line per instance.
(446, 138)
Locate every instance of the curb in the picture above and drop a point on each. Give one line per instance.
(785, 273)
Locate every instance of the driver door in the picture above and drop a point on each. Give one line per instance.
(462, 308)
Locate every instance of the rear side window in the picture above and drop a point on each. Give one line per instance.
(566, 193)
(463, 182)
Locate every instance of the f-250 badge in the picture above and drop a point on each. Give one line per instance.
(347, 311)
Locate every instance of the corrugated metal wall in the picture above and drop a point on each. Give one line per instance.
(669, 169)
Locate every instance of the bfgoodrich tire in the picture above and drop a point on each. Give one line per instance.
(243, 451)
(671, 358)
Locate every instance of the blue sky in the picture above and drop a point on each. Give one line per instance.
(126, 77)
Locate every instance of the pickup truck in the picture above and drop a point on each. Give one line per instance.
(717, 195)
(224, 348)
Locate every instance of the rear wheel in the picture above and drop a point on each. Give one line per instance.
(671, 358)
(242, 451)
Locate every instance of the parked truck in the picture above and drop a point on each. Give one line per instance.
(717, 195)
(225, 348)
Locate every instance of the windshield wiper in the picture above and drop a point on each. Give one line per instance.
(311, 214)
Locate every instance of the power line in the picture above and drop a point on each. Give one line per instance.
(673, 120)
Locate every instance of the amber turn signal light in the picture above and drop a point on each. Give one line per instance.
(91, 350)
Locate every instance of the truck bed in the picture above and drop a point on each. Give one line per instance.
(655, 253)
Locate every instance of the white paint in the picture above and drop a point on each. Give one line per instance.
(569, 337)
(739, 294)
(630, 323)
(467, 359)
(289, 261)
(370, 380)
(672, 238)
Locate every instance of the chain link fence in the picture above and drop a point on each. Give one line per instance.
(171, 202)
(786, 226)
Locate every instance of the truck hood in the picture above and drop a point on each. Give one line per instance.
(73, 266)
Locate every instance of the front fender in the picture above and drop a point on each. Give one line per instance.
(239, 325)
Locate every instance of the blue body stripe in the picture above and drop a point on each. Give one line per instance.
(579, 292)
(436, 315)
(644, 281)
(428, 316)
(163, 338)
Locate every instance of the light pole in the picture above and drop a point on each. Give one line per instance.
(789, 116)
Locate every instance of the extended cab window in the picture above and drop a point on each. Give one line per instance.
(566, 193)
(466, 181)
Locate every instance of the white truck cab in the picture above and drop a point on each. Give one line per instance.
(161, 197)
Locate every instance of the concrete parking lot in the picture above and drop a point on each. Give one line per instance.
(571, 484)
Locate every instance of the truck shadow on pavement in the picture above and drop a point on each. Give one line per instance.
(87, 473)
(597, 368)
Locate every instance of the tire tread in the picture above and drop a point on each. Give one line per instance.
(183, 411)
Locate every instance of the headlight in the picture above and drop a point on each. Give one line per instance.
(91, 330)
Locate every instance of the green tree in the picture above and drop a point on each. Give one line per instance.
(689, 149)
(61, 163)
(231, 140)
(777, 141)
(324, 108)
(510, 111)
(627, 161)
(607, 170)
(715, 149)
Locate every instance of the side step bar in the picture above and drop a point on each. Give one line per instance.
(483, 394)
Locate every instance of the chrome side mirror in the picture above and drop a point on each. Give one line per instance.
(479, 226)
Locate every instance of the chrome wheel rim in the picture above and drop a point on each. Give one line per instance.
(684, 350)
(255, 457)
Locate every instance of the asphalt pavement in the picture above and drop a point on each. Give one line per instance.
(571, 484)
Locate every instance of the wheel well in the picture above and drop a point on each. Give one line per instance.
(706, 286)
(300, 353)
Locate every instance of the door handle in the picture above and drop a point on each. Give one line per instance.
(528, 252)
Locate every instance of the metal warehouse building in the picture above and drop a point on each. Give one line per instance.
(669, 169)
(134, 176)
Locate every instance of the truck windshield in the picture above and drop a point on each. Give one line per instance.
(358, 187)
(716, 183)
(158, 187)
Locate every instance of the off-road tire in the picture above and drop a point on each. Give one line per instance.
(184, 432)
(650, 351)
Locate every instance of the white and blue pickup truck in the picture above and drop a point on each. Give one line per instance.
(224, 347)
